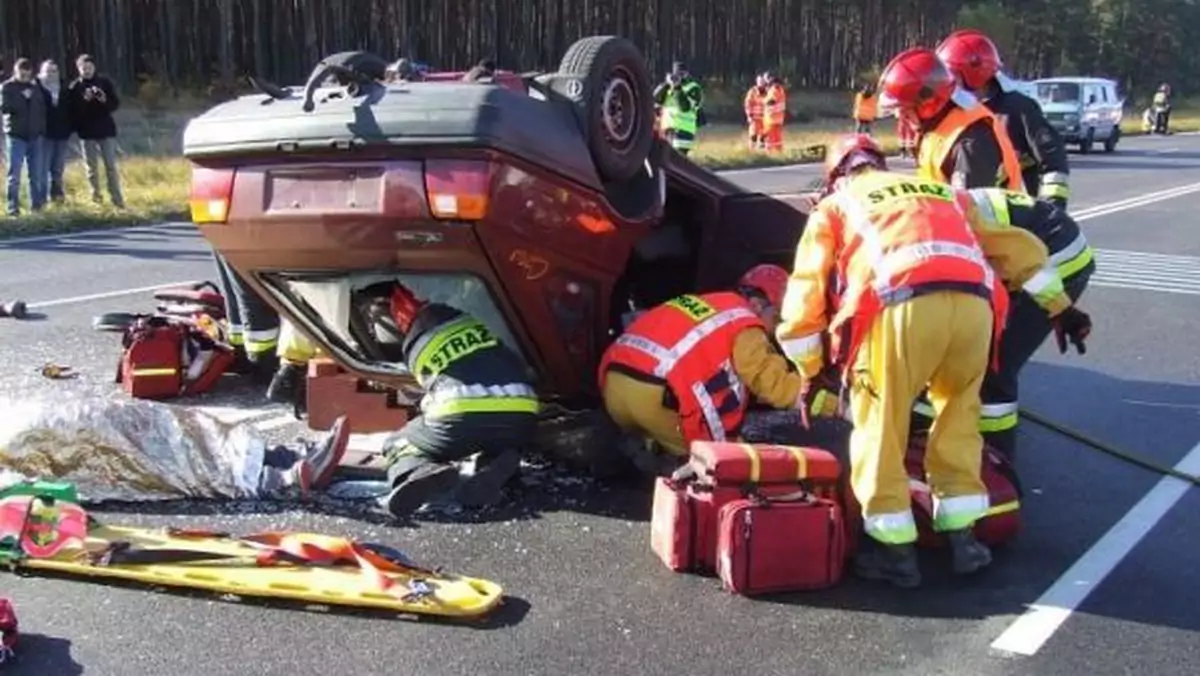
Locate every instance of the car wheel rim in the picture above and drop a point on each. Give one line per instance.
(618, 110)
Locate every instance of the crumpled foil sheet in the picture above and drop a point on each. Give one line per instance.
(129, 450)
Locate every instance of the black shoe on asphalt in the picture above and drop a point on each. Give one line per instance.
(422, 485)
(287, 385)
(896, 564)
(485, 488)
(970, 555)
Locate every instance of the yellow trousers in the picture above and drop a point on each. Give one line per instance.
(942, 339)
(637, 407)
(294, 346)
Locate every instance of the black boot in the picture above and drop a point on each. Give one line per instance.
(896, 564)
(420, 486)
(288, 384)
(970, 555)
(485, 488)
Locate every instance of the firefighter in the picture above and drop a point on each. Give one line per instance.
(774, 113)
(1162, 108)
(961, 141)
(253, 324)
(1028, 325)
(288, 385)
(753, 106)
(975, 61)
(908, 265)
(680, 102)
(478, 398)
(681, 371)
(866, 109)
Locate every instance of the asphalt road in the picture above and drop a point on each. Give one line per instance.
(590, 598)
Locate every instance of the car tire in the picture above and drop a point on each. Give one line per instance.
(1085, 145)
(606, 79)
(1110, 143)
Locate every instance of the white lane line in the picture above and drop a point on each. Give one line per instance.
(106, 294)
(1030, 632)
(1164, 273)
(87, 234)
(1134, 202)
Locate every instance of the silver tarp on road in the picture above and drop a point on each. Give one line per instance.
(129, 450)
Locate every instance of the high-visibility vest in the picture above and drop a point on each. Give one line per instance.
(775, 109)
(673, 117)
(937, 144)
(687, 345)
(1160, 98)
(866, 108)
(754, 103)
(902, 237)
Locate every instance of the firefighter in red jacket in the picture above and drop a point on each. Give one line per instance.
(753, 105)
(974, 59)
(961, 141)
(684, 370)
(896, 273)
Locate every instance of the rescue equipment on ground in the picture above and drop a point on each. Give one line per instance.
(166, 357)
(686, 516)
(193, 301)
(786, 543)
(43, 529)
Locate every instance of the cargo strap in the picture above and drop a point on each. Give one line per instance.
(756, 462)
(283, 549)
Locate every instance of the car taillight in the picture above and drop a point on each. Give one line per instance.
(458, 189)
(211, 191)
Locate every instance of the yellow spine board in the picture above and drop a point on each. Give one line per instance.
(451, 596)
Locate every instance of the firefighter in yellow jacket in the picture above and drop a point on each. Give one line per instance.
(683, 371)
(916, 301)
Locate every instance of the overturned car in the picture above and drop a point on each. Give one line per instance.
(541, 203)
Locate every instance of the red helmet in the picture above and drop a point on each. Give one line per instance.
(971, 56)
(917, 84)
(769, 280)
(405, 307)
(851, 151)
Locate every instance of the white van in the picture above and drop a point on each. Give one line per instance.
(1083, 109)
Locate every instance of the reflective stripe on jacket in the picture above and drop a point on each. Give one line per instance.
(754, 103)
(674, 117)
(938, 143)
(775, 106)
(1069, 250)
(687, 344)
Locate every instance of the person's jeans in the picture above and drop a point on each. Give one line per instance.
(54, 158)
(25, 154)
(93, 151)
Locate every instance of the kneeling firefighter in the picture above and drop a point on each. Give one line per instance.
(961, 141)
(253, 324)
(1028, 324)
(974, 59)
(478, 399)
(681, 371)
(915, 301)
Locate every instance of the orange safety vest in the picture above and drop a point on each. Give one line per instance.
(687, 344)
(903, 237)
(936, 146)
(754, 104)
(775, 111)
(866, 108)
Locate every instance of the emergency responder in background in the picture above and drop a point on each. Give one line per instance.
(1028, 324)
(1162, 108)
(961, 141)
(774, 113)
(974, 59)
(866, 109)
(683, 371)
(753, 106)
(484, 71)
(478, 399)
(680, 103)
(253, 324)
(916, 302)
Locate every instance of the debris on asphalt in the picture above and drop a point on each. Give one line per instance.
(57, 372)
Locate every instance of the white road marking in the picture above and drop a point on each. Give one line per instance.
(1134, 202)
(1030, 632)
(1162, 273)
(106, 294)
(87, 234)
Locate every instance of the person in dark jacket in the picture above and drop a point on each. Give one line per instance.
(478, 399)
(975, 62)
(24, 109)
(58, 130)
(93, 100)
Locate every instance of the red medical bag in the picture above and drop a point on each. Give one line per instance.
(1003, 520)
(166, 357)
(780, 544)
(683, 528)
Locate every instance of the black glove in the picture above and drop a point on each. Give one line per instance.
(1060, 202)
(1074, 325)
